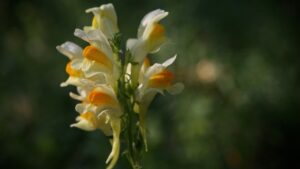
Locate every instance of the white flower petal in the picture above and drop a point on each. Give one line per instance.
(70, 49)
(157, 67)
(81, 34)
(105, 20)
(91, 68)
(76, 96)
(84, 125)
(108, 90)
(71, 81)
(84, 89)
(154, 16)
(110, 12)
(169, 61)
(86, 107)
(114, 155)
(97, 39)
(154, 69)
(131, 43)
(80, 108)
(98, 78)
(150, 18)
(105, 126)
(91, 74)
(76, 64)
(108, 9)
(139, 51)
(86, 64)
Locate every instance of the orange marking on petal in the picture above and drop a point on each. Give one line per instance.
(146, 62)
(161, 80)
(71, 71)
(158, 31)
(94, 54)
(100, 98)
(89, 116)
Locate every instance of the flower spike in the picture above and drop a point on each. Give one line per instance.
(116, 85)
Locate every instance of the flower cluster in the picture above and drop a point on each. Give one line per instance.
(115, 86)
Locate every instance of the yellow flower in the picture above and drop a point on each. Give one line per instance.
(95, 62)
(101, 101)
(151, 35)
(100, 109)
(98, 57)
(157, 78)
(74, 66)
(73, 52)
(153, 79)
(105, 19)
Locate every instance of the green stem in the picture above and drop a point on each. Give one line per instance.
(132, 141)
(126, 92)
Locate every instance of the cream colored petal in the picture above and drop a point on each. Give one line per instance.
(88, 28)
(154, 69)
(76, 64)
(152, 44)
(97, 39)
(110, 11)
(150, 18)
(154, 16)
(143, 107)
(76, 96)
(109, 28)
(157, 67)
(71, 81)
(108, 89)
(169, 61)
(131, 43)
(86, 64)
(85, 107)
(91, 68)
(97, 77)
(104, 117)
(70, 49)
(80, 108)
(112, 107)
(85, 89)
(139, 51)
(107, 10)
(114, 155)
(83, 124)
(107, 110)
(105, 20)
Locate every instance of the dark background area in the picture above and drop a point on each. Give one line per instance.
(239, 61)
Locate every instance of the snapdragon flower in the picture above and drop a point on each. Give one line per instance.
(115, 87)
(105, 19)
(150, 36)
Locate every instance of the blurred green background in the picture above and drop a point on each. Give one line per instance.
(239, 61)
